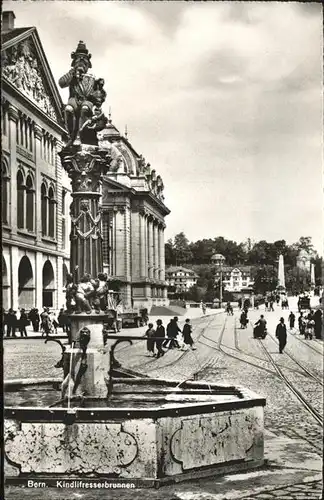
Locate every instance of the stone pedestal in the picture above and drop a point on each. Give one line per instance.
(93, 380)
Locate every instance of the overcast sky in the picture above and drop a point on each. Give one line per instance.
(224, 99)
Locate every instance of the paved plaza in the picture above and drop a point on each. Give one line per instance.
(225, 353)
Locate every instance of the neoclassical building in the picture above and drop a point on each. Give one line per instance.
(36, 192)
(133, 223)
(35, 189)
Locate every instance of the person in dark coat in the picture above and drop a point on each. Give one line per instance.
(318, 324)
(244, 319)
(150, 334)
(186, 332)
(4, 321)
(23, 322)
(61, 318)
(281, 334)
(11, 323)
(33, 316)
(172, 332)
(260, 328)
(291, 318)
(159, 332)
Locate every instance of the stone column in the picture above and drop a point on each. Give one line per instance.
(150, 247)
(156, 262)
(142, 245)
(120, 242)
(39, 281)
(85, 166)
(13, 116)
(162, 253)
(14, 256)
(38, 144)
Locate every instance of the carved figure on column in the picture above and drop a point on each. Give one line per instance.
(83, 110)
(84, 294)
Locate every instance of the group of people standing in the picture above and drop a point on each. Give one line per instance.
(45, 322)
(310, 324)
(156, 337)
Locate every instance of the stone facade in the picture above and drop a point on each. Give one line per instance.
(35, 189)
(133, 224)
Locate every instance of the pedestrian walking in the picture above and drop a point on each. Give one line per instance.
(318, 324)
(291, 318)
(172, 333)
(266, 303)
(150, 334)
(11, 323)
(33, 316)
(61, 318)
(159, 336)
(187, 338)
(281, 334)
(271, 305)
(46, 324)
(260, 328)
(4, 321)
(309, 330)
(54, 321)
(23, 322)
(244, 319)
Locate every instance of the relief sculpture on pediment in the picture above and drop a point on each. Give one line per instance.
(20, 66)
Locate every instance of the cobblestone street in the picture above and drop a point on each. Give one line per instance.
(225, 353)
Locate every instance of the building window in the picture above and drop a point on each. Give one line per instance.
(44, 199)
(30, 194)
(51, 213)
(5, 184)
(63, 201)
(20, 200)
(4, 119)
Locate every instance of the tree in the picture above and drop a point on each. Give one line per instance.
(297, 280)
(305, 243)
(169, 253)
(265, 279)
(181, 249)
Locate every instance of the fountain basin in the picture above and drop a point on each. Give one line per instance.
(148, 429)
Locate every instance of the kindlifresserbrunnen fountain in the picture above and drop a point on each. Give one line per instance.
(104, 420)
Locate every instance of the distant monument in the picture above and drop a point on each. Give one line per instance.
(312, 276)
(281, 274)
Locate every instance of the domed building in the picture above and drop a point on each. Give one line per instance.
(133, 223)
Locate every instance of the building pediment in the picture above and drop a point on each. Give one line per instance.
(25, 68)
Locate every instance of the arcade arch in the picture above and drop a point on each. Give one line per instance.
(26, 287)
(48, 284)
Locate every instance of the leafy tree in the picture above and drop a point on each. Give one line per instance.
(265, 279)
(169, 253)
(181, 249)
(297, 280)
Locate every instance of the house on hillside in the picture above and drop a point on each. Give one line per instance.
(236, 279)
(181, 278)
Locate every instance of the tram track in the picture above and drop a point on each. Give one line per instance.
(298, 394)
(303, 367)
(296, 336)
(218, 347)
(182, 355)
